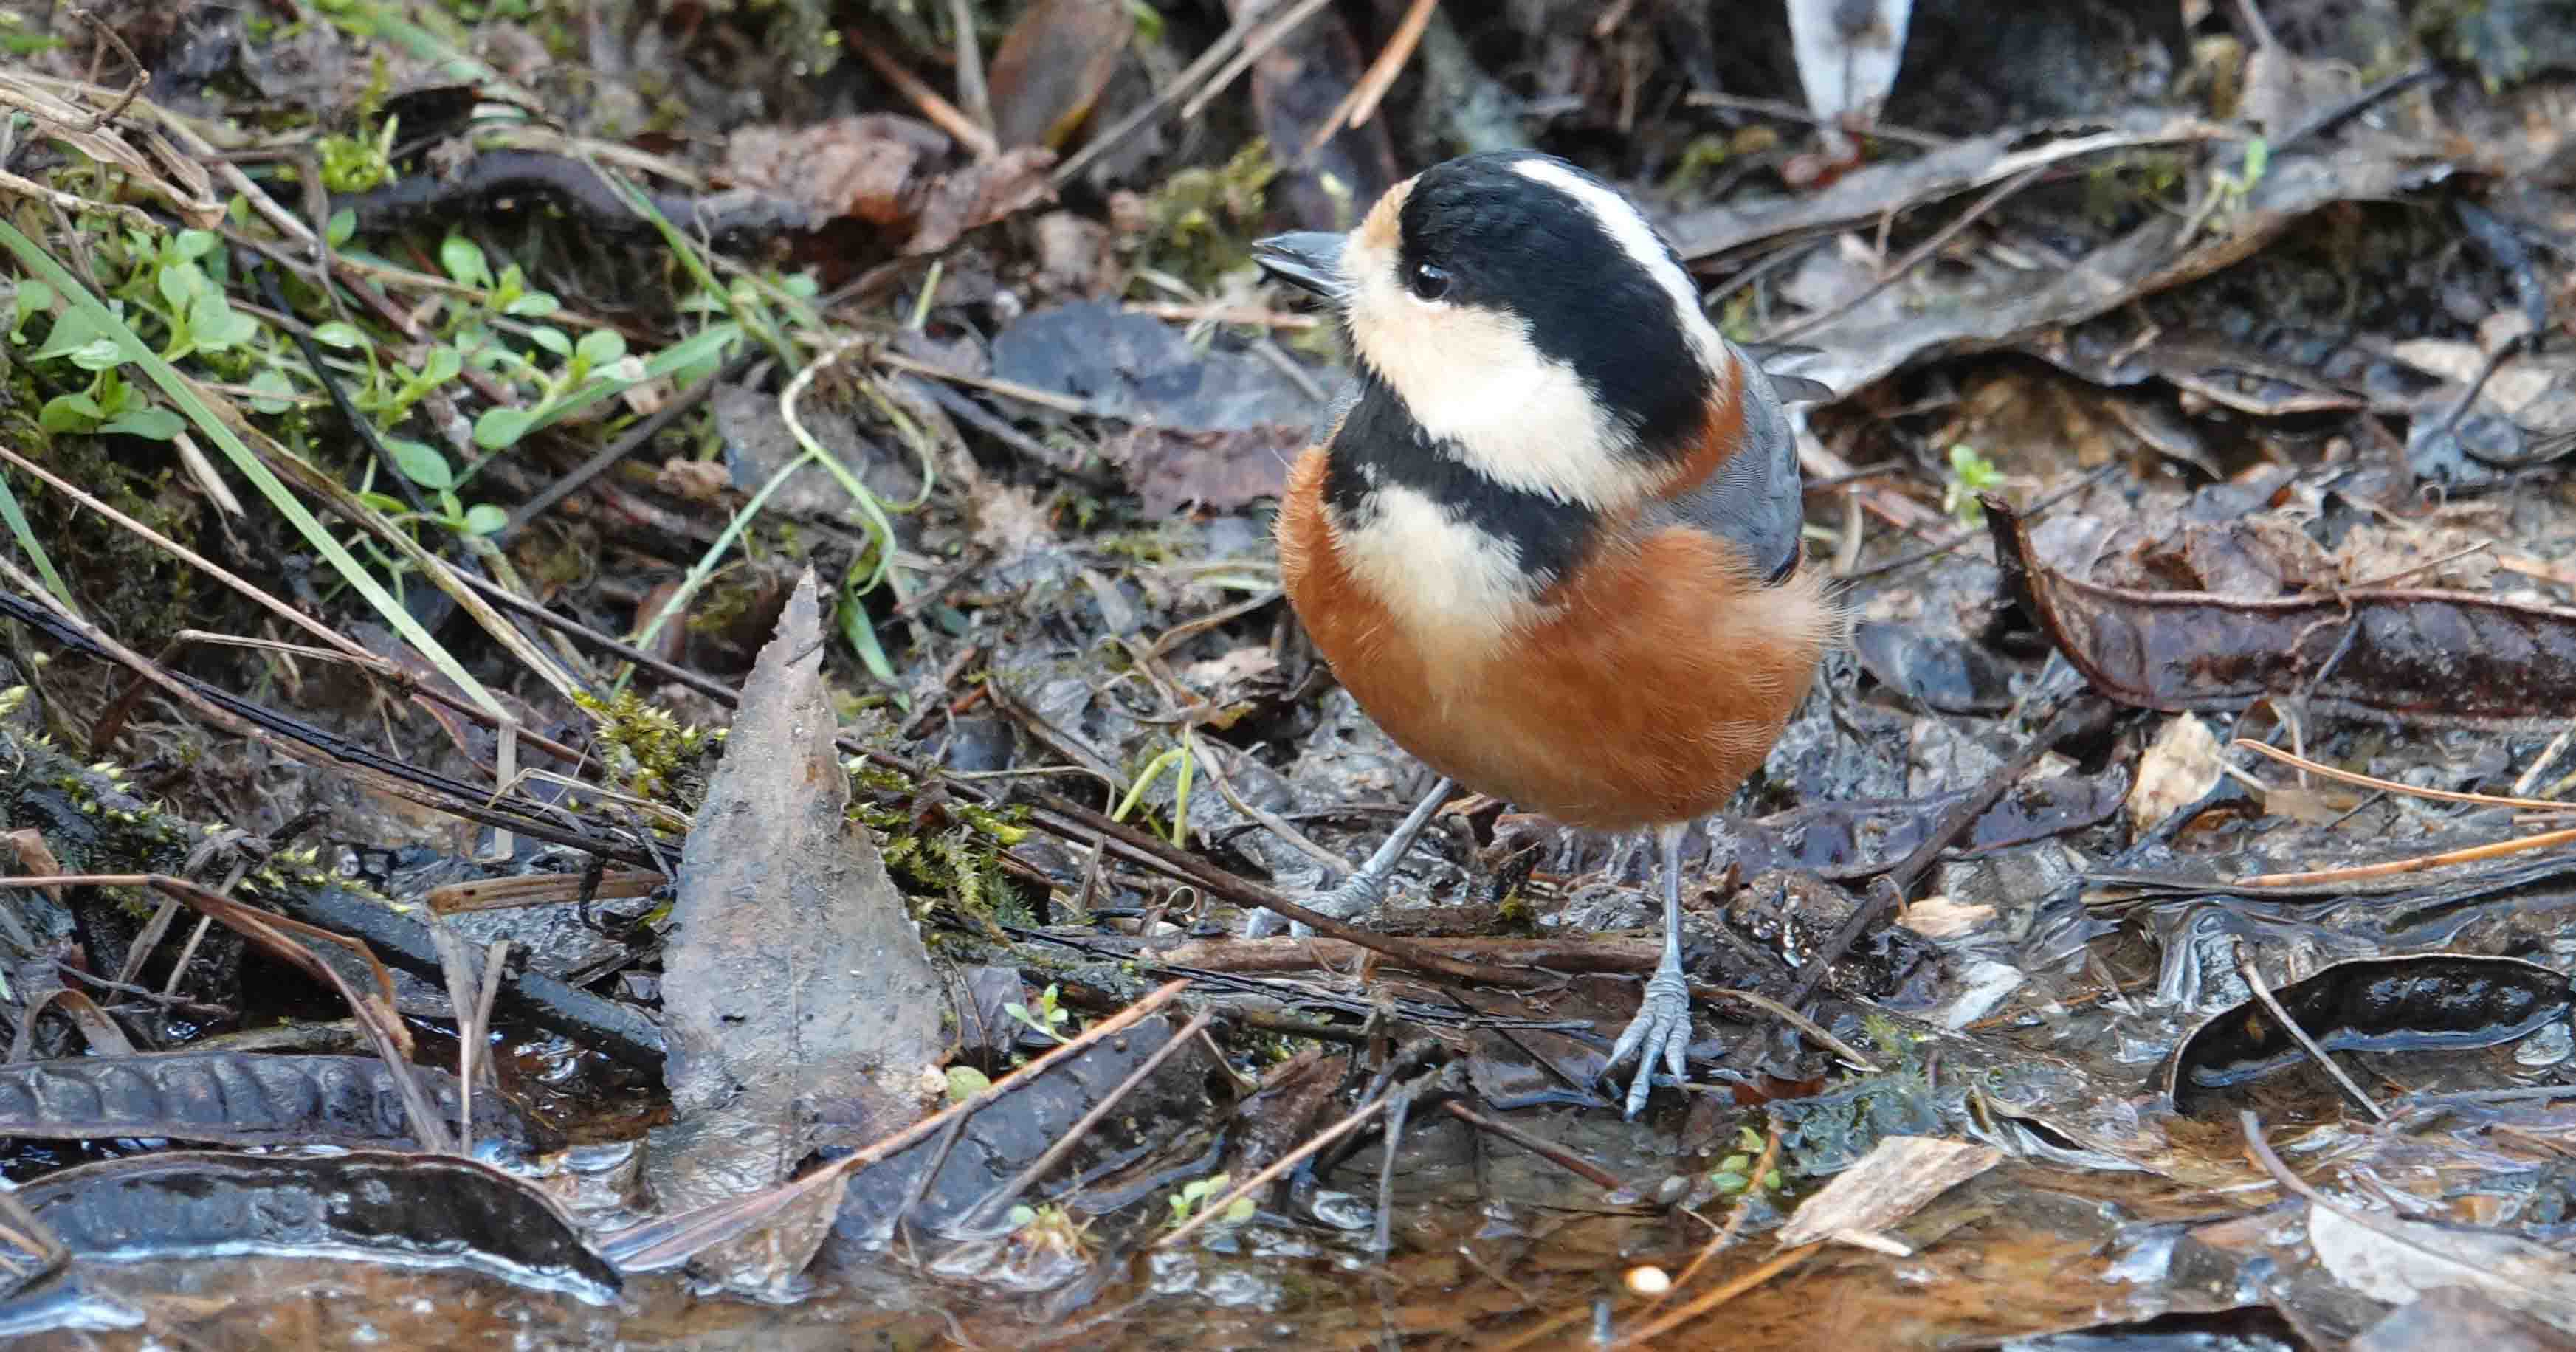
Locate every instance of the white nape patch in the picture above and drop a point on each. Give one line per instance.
(1452, 588)
(1471, 377)
(1637, 238)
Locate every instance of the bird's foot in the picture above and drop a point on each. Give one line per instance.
(1660, 1032)
(1357, 895)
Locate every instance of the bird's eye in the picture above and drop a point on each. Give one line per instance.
(1430, 281)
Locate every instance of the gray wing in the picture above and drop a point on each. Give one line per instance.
(1753, 501)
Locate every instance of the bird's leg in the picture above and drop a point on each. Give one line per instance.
(1661, 1031)
(1363, 890)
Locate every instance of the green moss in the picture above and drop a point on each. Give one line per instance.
(1202, 221)
(649, 753)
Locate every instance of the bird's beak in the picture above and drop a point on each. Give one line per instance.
(1309, 258)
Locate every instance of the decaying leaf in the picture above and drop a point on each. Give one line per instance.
(2429, 655)
(1050, 69)
(2179, 768)
(799, 1001)
(889, 171)
(1890, 1183)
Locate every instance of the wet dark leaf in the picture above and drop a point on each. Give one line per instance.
(2438, 655)
(417, 1210)
(232, 1098)
(1012, 1132)
(2419, 1002)
(1215, 429)
(1938, 671)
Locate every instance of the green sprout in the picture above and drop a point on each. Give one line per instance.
(1970, 474)
(1045, 1018)
(1197, 1192)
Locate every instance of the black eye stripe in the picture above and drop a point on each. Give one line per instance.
(1528, 249)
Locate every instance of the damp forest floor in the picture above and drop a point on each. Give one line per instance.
(647, 695)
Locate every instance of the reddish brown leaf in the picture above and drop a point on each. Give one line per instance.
(1052, 66)
(2444, 656)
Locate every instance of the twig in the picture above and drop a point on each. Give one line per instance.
(1543, 1148)
(2470, 855)
(1887, 892)
(1188, 79)
(1256, 45)
(1735, 1220)
(142, 77)
(1359, 105)
(1944, 545)
(627, 443)
(939, 111)
(2392, 786)
(1222, 314)
(1269, 821)
(1029, 394)
(971, 89)
(1794, 1019)
(981, 1212)
(1719, 1296)
(1244, 891)
(1914, 259)
(2247, 968)
(1212, 1209)
(1736, 103)
(671, 1240)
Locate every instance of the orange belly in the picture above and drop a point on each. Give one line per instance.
(1656, 684)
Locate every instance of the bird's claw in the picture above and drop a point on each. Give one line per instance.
(1357, 895)
(1660, 1032)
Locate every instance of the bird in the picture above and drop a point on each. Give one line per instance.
(1548, 533)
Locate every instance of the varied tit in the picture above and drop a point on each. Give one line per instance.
(1549, 539)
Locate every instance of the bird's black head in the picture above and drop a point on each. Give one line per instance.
(1529, 319)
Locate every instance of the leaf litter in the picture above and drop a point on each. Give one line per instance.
(2193, 454)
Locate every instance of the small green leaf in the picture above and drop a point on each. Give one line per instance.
(73, 331)
(341, 227)
(464, 261)
(599, 347)
(180, 283)
(2258, 157)
(1021, 1215)
(442, 366)
(1241, 1210)
(533, 305)
(1016, 1010)
(339, 333)
(194, 244)
(102, 354)
(75, 412)
(965, 1082)
(216, 325)
(34, 298)
(502, 426)
(485, 519)
(270, 381)
(159, 424)
(420, 462)
(552, 339)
